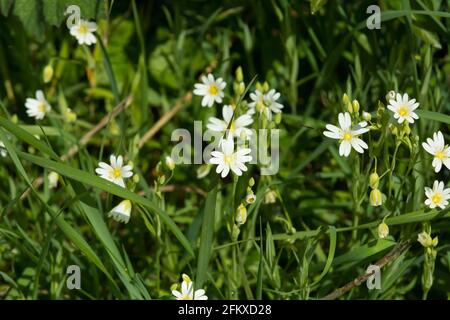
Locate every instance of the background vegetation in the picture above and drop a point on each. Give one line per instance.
(148, 56)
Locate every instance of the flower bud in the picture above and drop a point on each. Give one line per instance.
(239, 74)
(366, 116)
(345, 99)
(241, 88)
(186, 278)
(383, 230)
(241, 214)
(390, 95)
(203, 171)
(375, 198)
(53, 179)
(251, 182)
(355, 105)
(374, 180)
(250, 198)
(349, 107)
(425, 240)
(270, 196)
(47, 74)
(170, 164)
(265, 87)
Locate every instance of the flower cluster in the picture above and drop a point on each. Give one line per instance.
(237, 117)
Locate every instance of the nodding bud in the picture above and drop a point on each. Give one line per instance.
(53, 179)
(390, 95)
(383, 230)
(136, 178)
(374, 180)
(355, 105)
(239, 74)
(251, 182)
(366, 116)
(241, 214)
(47, 74)
(425, 240)
(270, 196)
(170, 164)
(375, 198)
(345, 99)
(250, 197)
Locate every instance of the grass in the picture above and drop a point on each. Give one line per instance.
(311, 229)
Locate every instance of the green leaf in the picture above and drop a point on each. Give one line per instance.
(22, 134)
(432, 115)
(5, 6)
(333, 241)
(97, 182)
(30, 14)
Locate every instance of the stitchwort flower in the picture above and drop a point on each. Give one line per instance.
(116, 171)
(211, 89)
(439, 150)
(347, 134)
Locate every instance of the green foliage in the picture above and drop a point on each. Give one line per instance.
(312, 228)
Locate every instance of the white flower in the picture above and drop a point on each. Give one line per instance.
(265, 103)
(439, 150)
(210, 89)
(237, 127)
(121, 212)
(228, 159)
(115, 172)
(438, 196)
(3, 151)
(53, 179)
(84, 32)
(187, 291)
(347, 134)
(270, 99)
(37, 108)
(403, 108)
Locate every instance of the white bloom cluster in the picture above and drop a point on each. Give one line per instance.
(236, 121)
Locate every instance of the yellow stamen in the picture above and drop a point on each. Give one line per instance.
(116, 173)
(213, 89)
(186, 297)
(83, 29)
(42, 107)
(228, 159)
(403, 111)
(436, 198)
(347, 136)
(440, 155)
